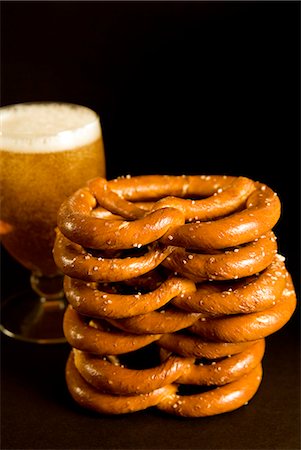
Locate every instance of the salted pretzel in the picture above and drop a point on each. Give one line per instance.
(108, 375)
(79, 230)
(91, 301)
(239, 326)
(257, 293)
(220, 400)
(77, 262)
(96, 337)
(102, 384)
(192, 345)
(168, 320)
(224, 371)
(261, 213)
(166, 219)
(223, 399)
(89, 397)
(78, 224)
(231, 264)
(249, 327)
(185, 266)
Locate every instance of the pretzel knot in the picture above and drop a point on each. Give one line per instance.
(181, 272)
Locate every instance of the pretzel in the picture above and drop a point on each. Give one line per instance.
(265, 320)
(76, 221)
(185, 266)
(236, 263)
(89, 397)
(192, 345)
(224, 371)
(244, 296)
(78, 224)
(220, 400)
(165, 321)
(105, 386)
(220, 202)
(249, 327)
(150, 187)
(98, 338)
(111, 377)
(76, 262)
(260, 215)
(90, 301)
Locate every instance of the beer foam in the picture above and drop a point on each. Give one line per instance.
(47, 127)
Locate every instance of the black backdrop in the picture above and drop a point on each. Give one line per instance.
(180, 87)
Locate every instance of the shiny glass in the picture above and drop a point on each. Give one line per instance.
(47, 151)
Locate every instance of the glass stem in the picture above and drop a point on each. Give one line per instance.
(48, 287)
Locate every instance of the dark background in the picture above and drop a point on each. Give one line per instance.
(180, 87)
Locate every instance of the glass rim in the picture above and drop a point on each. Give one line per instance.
(49, 102)
(63, 138)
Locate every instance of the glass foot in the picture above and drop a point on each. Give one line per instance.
(29, 317)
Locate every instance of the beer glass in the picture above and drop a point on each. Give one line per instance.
(47, 151)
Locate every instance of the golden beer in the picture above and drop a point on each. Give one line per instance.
(47, 151)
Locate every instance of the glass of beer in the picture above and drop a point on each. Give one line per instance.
(47, 151)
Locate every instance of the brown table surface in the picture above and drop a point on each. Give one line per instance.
(38, 413)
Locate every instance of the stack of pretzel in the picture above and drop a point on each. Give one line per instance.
(184, 268)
